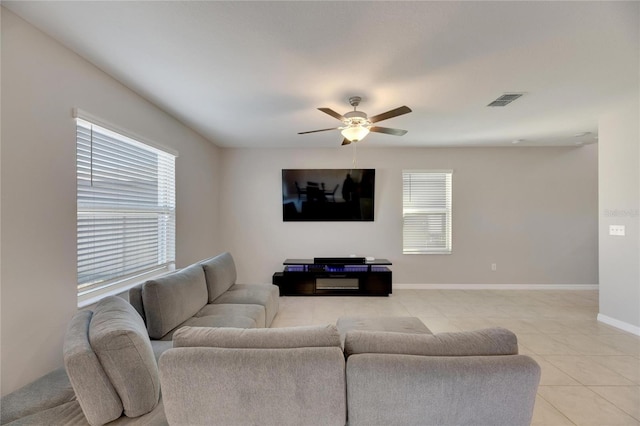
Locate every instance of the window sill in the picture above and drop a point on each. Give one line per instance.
(426, 252)
(94, 297)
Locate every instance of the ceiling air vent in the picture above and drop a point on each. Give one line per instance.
(505, 99)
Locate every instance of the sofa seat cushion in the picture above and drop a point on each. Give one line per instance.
(119, 338)
(260, 338)
(213, 321)
(220, 273)
(490, 341)
(68, 414)
(155, 417)
(274, 295)
(255, 312)
(160, 346)
(266, 295)
(396, 324)
(172, 299)
(48, 391)
(92, 385)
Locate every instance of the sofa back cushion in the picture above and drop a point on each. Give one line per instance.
(172, 299)
(220, 273)
(227, 376)
(135, 299)
(119, 339)
(258, 338)
(98, 399)
(391, 389)
(286, 387)
(490, 341)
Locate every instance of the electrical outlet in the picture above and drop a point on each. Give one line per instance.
(494, 267)
(617, 230)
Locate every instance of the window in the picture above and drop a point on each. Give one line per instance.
(426, 212)
(125, 208)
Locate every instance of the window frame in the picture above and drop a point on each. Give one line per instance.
(443, 207)
(91, 292)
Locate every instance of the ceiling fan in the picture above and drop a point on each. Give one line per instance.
(356, 124)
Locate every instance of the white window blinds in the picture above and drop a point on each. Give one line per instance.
(125, 207)
(426, 212)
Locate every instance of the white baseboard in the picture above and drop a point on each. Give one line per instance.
(495, 286)
(619, 324)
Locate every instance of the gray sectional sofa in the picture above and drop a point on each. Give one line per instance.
(302, 376)
(204, 294)
(466, 378)
(289, 376)
(111, 351)
(192, 348)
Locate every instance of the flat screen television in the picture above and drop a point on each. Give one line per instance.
(328, 194)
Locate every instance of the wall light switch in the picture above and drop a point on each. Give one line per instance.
(617, 230)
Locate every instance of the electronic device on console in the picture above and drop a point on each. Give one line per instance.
(339, 260)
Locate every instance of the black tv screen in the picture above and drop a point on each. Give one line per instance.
(328, 194)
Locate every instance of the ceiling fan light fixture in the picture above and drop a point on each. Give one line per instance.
(356, 125)
(355, 133)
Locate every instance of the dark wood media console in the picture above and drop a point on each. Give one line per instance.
(334, 277)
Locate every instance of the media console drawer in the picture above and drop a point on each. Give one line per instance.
(337, 283)
(302, 277)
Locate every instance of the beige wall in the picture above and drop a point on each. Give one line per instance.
(532, 211)
(41, 82)
(619, 199)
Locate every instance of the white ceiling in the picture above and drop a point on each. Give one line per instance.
(251, 74)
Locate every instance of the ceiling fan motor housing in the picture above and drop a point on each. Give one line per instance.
(356, 116)
(354, 101)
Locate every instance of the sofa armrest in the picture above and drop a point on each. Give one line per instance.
(411, 390)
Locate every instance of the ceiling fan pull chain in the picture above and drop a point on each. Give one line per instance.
(354, 154)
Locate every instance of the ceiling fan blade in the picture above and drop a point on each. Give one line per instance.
(388, 131)
(390, 114)
(346, 141)
(332, 113)
(315, 131)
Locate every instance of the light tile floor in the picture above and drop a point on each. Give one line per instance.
(590, 371)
